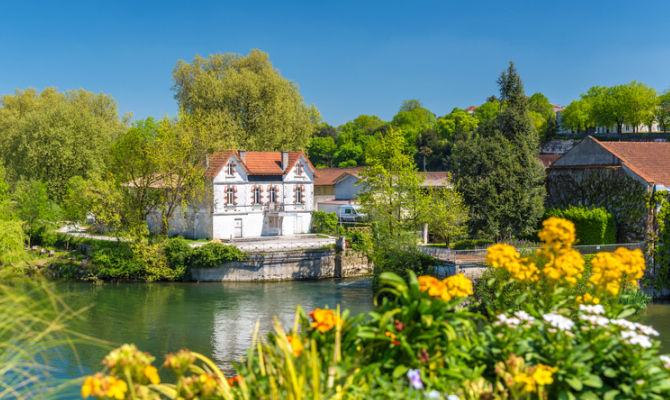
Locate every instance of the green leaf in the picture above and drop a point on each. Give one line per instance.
(574, 383)
(609, 372)
(594, 381)
(589, 396)
(399, 371)
(610, 395)
(626, 312)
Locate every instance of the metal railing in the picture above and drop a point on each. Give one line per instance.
(477, 256)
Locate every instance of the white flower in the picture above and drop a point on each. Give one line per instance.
(647, 330)
(434, 394)
(453, 397)
(633, 337)
(592, 309)
(511, 322)
(624, 323)
(524, 316)
(558, 321)
(595, 320)
(666, 361)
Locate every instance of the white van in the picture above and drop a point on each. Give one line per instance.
(351, 213)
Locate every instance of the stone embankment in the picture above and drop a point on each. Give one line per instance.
(293, 265)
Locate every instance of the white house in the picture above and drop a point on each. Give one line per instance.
(253, 194)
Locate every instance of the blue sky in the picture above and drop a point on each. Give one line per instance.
(348, 57)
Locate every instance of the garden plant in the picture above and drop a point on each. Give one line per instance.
(567, 337)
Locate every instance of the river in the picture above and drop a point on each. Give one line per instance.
(214, 319)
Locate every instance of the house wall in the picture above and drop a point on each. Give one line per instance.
(346, 189)
(192, 223)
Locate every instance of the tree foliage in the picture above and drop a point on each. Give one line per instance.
(53, 136)
(445, 212)
(246, 98)
(33, 207)
(498, 171)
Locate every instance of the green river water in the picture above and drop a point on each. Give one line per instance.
(215, 319)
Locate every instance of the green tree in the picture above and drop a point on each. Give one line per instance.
(246, 98)
(662, 112)
(498, 172)
(539, 104)
(33, 207)
(488, 111)
(53, 136)
(349, 154)
(457, 124)
(446, 212)
(577, 116)
(76, 205)
(641, 102)
(321, 151)
(392, 192)
(413, 119)
(326, 130)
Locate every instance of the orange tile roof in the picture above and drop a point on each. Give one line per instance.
(256, 162)
(327, 176)
(649, 160)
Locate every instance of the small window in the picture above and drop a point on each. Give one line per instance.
(348, 211)
(230, 196)
(231, 169)
(298, 169)
(257, 195)
(273, 195)
(298, 195)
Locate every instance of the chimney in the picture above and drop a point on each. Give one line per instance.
(284, 160)
(243, 155)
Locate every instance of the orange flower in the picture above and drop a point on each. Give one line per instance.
(296, 345)
(324, 320)
(433, 285)
(234, 380)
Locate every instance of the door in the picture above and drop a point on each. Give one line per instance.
(237, 228)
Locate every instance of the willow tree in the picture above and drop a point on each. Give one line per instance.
(246, 99)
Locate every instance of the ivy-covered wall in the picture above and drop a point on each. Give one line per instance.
(608, 187)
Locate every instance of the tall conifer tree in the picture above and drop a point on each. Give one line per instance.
(498, 171)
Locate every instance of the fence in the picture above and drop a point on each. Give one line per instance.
(477, 256)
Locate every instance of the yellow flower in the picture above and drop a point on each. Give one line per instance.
(587, 299)
(456, 286)
(324, 320)
(526, 380)
(152, 373)
(91, 386)
(117, 388)
(431, 284)
(207, 380)
(390, 335)
(557, 233)
(505, 256)
(542, 374)
(296, 344)
(563, 265)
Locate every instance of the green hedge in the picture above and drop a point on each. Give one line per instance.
(593, 225)
(214, 254)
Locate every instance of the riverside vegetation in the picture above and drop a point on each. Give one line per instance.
(566, 337)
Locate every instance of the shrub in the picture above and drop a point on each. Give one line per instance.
(360, 239)
(324, 222)
(11, 241)
(468, 244)
(593, 226)
(177, 253)
(214, 254)
(401, 262)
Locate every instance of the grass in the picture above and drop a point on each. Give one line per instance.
(33, 333)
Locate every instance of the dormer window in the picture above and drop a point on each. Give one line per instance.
(231, 169)
(298, 169)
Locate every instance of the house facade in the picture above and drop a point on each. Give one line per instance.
(253, 194)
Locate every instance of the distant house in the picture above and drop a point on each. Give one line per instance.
(252, 194)
(619, 176)
(342, 186)
(548, 159)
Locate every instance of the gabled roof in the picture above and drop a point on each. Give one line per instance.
(256, 162)
(650, 161)
(328, 176)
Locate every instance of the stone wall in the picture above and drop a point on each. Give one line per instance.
(281, 266)
(609, 187)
